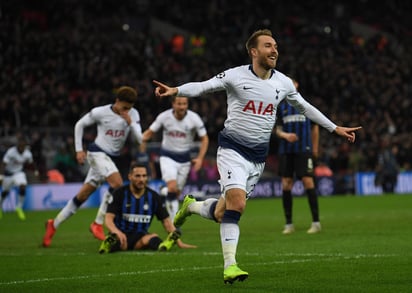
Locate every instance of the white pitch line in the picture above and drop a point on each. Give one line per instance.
(327, 257)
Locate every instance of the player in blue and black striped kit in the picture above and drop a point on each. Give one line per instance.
(130, 214)
(297, 149)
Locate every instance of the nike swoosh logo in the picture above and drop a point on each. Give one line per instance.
(247, 88)
(229, 239)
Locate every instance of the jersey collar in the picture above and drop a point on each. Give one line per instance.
(251, 69)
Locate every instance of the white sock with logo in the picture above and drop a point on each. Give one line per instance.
(229, 236)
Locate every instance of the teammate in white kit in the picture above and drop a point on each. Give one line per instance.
(14, 161)
(253, 93)
(180, 127)
(114, 122)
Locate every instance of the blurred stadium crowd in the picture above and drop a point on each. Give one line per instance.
(61, 58)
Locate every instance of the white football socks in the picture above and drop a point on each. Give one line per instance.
(69, 209)
(229, 236)
(20, 201)
(202, 208)
(107, 197)
(172, 207)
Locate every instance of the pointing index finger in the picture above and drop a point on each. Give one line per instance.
(158, 83)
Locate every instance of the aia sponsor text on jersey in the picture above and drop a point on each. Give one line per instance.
(115, 133)
(259, 108)
(176, 134)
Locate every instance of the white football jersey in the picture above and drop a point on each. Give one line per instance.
(178, 135)
(14, 160)
(112, 129)
(251, 110)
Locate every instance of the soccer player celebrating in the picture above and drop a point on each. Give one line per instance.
(180, 126)
(253, 94)
(114, 122)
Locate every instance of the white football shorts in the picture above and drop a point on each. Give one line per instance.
(101, 167)
(16, 179)
(172, 170)
(237, 172)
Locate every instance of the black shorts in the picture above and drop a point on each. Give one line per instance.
(296, 164)
(132, 239)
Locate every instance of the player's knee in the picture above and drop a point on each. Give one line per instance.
(308, 182)
(172, 189)
(236, 204)
(154, 242)
(240, 207)
(287, 183)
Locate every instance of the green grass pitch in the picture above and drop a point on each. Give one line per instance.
(365, 246)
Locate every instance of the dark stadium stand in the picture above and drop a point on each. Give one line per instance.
(61, 58)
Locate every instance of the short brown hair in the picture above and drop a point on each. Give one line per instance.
(134, 165)
(252, 41)
(126, 94)
(175, 97)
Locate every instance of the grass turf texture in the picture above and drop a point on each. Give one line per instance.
(365, 246)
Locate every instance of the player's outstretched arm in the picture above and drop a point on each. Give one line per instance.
(169, 227)
(348, 132)
(163, 90)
